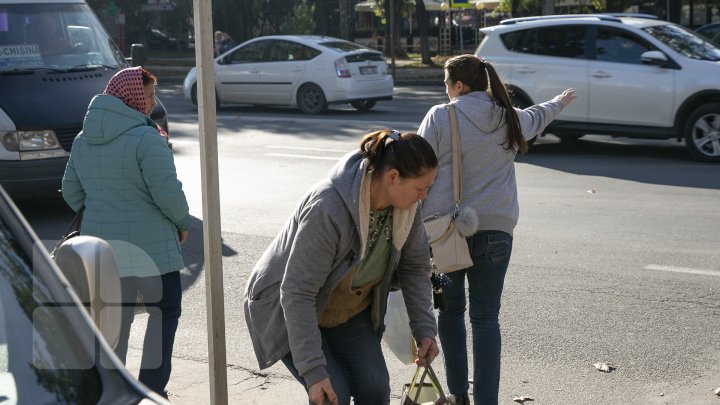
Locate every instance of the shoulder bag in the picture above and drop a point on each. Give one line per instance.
(449, 249)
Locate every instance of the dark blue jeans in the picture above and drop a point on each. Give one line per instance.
(355, 362)
(490, 251)
(162, 296)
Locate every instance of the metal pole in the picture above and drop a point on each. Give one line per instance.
(392, 37)
(667, 7)
(212, 242)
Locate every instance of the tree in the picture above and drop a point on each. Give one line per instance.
(423, 22)
(301, 21)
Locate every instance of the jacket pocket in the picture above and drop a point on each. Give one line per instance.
(268, 322)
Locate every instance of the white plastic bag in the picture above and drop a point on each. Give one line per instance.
(398, 336)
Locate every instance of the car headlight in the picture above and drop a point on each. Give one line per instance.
(30, 140)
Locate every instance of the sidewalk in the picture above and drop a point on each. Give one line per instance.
(174, 70)
(190, 384)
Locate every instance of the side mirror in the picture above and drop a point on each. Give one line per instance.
(89, 265)
(654, 58)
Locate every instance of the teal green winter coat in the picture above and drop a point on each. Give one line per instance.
(123, 172)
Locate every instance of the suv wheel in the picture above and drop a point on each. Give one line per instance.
(702, 133)
(363, 105)
(521, 103)
(311, 99)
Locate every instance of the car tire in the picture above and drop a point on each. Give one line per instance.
(522, 103)
(193, 97)
(311, 99)
(569, 137)
(702, 133)
(363, 105)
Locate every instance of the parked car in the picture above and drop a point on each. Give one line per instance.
(51, 351)
(711, 32)
(634, 77)
(305, 71)
(44, 93)
(157, 39)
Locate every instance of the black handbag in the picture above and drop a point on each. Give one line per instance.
(72, 231)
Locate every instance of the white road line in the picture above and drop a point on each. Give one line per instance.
(687, 270)
(292, 155)
(307, 148)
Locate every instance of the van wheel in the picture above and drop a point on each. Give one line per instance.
(702, 133)
(521, 103)
(363, 105)
(311, 99)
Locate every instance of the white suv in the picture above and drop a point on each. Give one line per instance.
(636, 76)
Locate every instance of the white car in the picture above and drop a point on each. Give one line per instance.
(636, 77)
(297, 70)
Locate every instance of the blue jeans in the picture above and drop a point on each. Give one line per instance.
(162, 296)
(355, 362)
(490, 251)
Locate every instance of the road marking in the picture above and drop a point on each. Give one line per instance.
(307, 148)
(292, 155)
(687, 270)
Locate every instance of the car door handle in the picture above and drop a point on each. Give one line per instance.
(601, 75)
(525, 70)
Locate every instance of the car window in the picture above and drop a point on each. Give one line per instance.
(343, 46)
(41, 358)
(281, 51)
(567, 41)
(250, 53)
(612, 45)
(684, 42)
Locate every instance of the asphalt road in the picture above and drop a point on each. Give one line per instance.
(615, 256)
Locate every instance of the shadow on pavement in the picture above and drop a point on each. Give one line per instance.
(646, 161)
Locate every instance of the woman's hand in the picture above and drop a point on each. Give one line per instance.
(320, 392)
(183, 235)
(567, 97)
(427, 348)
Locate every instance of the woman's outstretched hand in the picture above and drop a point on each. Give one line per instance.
(567, 97)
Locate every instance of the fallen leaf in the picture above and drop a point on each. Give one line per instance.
(591, 191)
(717, 392)
(604, 367)
(522, 400)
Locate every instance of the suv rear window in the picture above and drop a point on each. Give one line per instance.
(568, 41)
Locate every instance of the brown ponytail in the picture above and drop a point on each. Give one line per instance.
(408, 153)
(480, 75)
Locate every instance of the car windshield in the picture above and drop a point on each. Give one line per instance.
(41, 357)
(684, 41)
(343, 46)
(54, 36)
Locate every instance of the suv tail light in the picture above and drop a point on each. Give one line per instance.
(342, 69)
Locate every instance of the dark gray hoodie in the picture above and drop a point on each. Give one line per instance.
(488, 169)
(320, 243)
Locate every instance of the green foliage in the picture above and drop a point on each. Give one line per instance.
(301, 21)
(534, 7)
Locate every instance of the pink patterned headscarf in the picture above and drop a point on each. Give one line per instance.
(127, 85)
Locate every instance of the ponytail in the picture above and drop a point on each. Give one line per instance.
(479, 75)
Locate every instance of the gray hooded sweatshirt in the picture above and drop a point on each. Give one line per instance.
(488, 170)
(318, 246)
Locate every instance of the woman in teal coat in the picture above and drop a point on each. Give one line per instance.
(122, 171)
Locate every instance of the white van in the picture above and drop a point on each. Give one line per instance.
(55, 56)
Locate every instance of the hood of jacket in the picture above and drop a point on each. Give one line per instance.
(351, 178)
(108, 117)
(480, 109)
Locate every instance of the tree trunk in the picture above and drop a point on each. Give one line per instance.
(423, 21)
(515, 8)
(344, 20)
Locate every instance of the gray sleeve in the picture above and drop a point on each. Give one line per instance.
(413, 273)
(309, 264)
(428, 130)
(534, 119)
